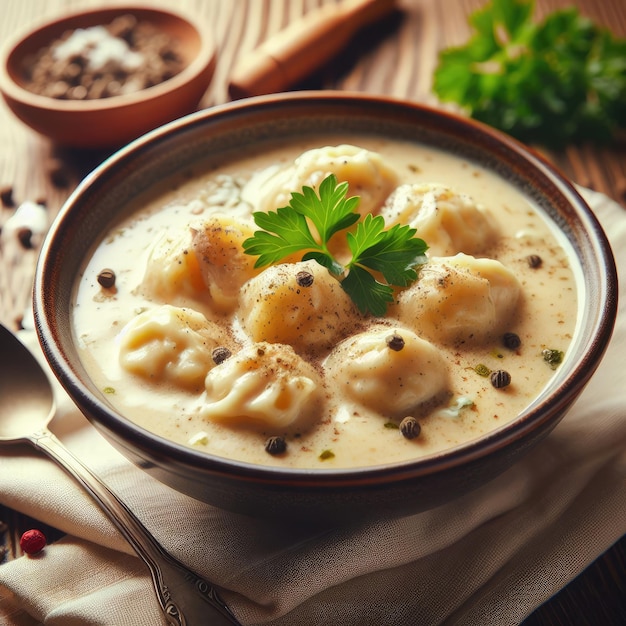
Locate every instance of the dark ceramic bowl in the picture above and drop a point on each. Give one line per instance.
(109, 122)
(319, 494)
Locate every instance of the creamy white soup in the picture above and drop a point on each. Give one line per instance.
(277, 365)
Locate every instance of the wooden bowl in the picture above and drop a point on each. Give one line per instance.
(113, 121)
(332, 494)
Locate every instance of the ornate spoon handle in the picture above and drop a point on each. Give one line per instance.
(186, 599)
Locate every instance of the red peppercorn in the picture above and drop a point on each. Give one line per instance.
(32, 541)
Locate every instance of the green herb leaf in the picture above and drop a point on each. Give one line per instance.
(331, 211)
(553, 357)
(482, 370)
(291, 234)
(560, 81)
(325, 455)
(326, 260)
(393, 253)
(366, 292)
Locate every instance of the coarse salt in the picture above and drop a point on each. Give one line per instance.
(31, 215)
(99, 48)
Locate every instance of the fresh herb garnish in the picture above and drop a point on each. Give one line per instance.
(393, 254)
(553, 357)
(562, 80)
(482, 370)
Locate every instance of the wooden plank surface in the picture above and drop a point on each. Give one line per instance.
(396, 58)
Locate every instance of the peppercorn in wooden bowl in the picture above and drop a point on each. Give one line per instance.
(100, 78)
(281, 389)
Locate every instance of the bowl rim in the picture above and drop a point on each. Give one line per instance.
(517, 429)
(204, 58)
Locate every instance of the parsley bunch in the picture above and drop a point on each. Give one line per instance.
(392, 254)
(560, 81)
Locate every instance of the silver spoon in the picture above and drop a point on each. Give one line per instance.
(26, 408)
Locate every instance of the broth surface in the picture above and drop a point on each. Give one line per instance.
(343, 432)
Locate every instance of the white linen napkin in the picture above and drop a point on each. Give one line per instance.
(488, 558)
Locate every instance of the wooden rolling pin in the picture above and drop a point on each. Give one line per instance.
(303, 47)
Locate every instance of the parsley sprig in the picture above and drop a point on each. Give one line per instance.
(556, 82)
(393, 254)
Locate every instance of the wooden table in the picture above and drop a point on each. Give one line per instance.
(395, 58)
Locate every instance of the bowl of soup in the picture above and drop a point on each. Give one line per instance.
(99, 78)
(325, 305)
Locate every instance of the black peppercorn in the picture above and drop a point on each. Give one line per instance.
(24, 236)
(58, 173)
(395, 342)
(410, 428)
(500, 379)
(106, 278)
(6, 196)
(220, 354)
(304, 278)
(275, 445)
(534, 261)
(511, 341)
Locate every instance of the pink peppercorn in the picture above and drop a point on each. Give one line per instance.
(33, 541)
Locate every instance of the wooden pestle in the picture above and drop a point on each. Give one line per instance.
(303, 46)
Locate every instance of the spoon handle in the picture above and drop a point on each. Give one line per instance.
(185, 598)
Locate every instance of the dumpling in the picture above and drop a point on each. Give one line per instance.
(265, 385)
(300, 304)
(365, 172)
(224, 267)
(172, 269)
(459, 299)
(170, 345)
(389, 370)
(448, 222)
